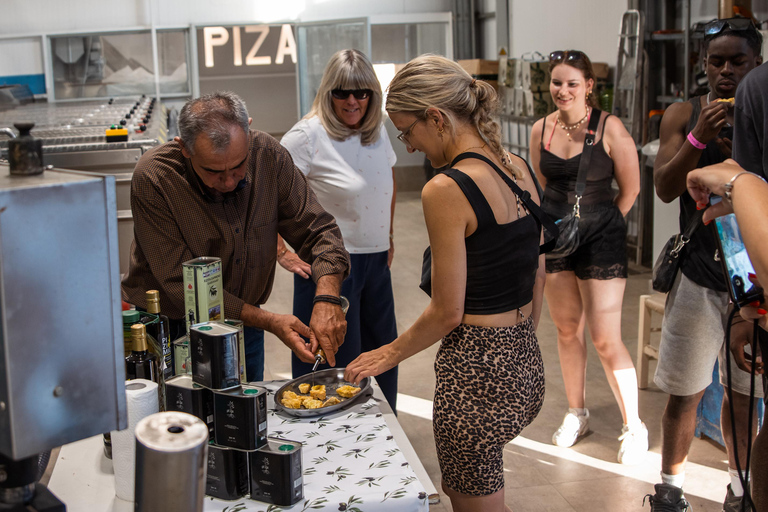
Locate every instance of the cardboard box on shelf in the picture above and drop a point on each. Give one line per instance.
(523, 102)
(539, 76)
(542, 104)
(481, 68)
(602, 70)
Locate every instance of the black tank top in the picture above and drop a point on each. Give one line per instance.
(561, 174)
(699, 264)
(502, 259)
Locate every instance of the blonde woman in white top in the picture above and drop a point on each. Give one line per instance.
(342, 148)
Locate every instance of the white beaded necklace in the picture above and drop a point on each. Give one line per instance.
(568, 129)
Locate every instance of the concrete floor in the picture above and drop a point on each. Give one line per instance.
(539, 476)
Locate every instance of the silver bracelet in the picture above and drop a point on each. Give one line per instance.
(728, 187)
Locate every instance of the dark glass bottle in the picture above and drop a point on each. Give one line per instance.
(141, 364)
(160, 330)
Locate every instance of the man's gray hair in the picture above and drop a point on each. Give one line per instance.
(213, 114)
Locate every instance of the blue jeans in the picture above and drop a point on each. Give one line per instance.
(370, 319)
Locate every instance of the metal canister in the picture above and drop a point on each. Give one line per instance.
(215, 355)
(227, 473)
(203, 290)
(241, 343)
(184, 395)
(171, 457)
(181, 361)
(240, 417)
(276, 472)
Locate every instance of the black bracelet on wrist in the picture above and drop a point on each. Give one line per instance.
(327, 298)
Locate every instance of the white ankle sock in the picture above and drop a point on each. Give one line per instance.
(676, 480)
(736, 487)
(578, 412)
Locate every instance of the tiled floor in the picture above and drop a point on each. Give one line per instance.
(539, 476)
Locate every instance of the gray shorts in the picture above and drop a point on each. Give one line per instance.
(692, 338)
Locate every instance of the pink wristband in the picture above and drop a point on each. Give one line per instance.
(694, 142)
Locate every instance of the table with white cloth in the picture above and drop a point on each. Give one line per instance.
(357, 459)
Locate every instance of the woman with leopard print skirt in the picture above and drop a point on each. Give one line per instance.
(484, 275)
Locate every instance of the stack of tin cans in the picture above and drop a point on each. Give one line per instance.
(241, 459)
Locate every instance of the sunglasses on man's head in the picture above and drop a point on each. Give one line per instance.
(715, 27)
(359, 94)
(567, 55)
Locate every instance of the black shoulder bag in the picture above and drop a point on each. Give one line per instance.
(568, 239)
(668, 263)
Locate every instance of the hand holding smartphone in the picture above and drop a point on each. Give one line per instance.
(735, 262)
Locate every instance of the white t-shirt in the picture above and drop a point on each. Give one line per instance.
(352, 182)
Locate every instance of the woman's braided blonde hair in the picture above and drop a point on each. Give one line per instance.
(434, 81)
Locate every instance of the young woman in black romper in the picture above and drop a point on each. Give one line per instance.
(587, 287)
(487, 279)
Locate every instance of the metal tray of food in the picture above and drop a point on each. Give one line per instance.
(332, 378)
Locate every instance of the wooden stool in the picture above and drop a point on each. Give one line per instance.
(645, 351)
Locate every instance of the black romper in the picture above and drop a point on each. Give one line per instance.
(490, 380)
(602, 251)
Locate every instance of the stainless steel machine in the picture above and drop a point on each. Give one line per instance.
(62, 375)
(74, 137)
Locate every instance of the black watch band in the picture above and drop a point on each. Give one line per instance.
(327, 298)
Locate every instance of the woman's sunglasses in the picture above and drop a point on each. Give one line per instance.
(359, 94)
(568, 56)
(715, 27)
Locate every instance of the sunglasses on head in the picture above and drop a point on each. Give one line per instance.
(715, 27)
(567, 55)
(359, 94)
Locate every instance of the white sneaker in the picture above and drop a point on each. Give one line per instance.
(634, 444)
(573, 427)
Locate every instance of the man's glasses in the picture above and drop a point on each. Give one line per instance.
(403, 137)
(359, 94)
(567, 55)
(715, 27)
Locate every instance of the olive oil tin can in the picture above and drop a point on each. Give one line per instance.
(227, 477)
(181, 361)
(276, 472)
(240, 417)
(203, 290)
(238, 324)
(184, 395)
(214, 352)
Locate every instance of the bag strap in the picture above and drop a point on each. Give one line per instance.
(543, 219)
(693, 224)
(586, 154)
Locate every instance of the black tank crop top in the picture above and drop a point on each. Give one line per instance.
(502, 259)
(561, 173)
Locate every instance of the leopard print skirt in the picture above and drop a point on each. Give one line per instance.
(490, 386)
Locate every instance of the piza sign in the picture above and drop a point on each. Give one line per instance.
(246, 49)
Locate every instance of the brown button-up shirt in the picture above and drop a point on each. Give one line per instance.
(177, 218)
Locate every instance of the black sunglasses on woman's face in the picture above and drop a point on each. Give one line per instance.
(568, 55)
(359, 94)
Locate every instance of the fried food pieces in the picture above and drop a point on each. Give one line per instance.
(347, 391)
(317, 396)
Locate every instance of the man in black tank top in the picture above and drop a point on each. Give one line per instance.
(695, 134)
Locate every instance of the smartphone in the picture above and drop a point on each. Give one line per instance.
(735, 262)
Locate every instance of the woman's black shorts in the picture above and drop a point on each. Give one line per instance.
(602, 251)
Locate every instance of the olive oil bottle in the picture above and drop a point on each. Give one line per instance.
(160, 330)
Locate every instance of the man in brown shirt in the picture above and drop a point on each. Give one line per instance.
(221, 189)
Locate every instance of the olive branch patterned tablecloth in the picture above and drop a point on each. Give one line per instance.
(350, 461)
